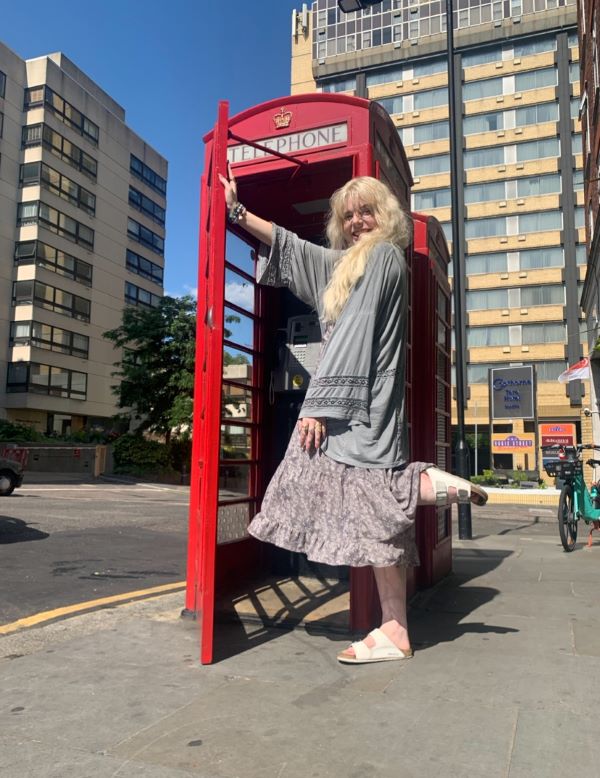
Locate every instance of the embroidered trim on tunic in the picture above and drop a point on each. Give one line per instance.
(340, 380)
(386, 373)
(340, 402)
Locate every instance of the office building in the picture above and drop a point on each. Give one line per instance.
(518, 137)
(82, 229)
(589, 30)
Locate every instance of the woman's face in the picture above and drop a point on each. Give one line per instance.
(358, 219)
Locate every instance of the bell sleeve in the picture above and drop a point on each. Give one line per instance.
(301, 266)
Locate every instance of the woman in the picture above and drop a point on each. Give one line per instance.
(345, 492)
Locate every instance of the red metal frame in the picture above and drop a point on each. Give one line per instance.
(430, 405)
(278, 187)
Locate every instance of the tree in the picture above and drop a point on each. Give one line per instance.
(156, 370)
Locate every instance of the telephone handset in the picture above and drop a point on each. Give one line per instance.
(298, 354)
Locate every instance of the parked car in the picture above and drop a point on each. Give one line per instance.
(11, 476)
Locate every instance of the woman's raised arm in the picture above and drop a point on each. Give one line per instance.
(239, 214)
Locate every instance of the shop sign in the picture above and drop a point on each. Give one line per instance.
(512, 392)
(557, 434)
(511, 444)
(292, 143)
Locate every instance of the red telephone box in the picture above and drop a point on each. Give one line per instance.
(430, 400)
(288, 155)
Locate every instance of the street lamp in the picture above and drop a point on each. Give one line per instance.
(347, 6)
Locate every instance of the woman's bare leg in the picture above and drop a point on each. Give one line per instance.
(391, 587)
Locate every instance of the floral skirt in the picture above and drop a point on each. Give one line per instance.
(338, 514)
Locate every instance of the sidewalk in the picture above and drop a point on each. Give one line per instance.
(504, 683)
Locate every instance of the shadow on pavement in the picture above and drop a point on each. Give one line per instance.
(441, 614)
(18, 531)
(260, 612)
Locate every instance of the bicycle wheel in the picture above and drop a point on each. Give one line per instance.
(567, 521)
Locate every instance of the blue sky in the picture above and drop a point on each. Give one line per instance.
(168, 64)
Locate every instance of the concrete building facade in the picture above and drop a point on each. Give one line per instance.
(589, 32)
(82, 230)
(521, 200)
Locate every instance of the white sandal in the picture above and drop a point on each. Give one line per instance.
(466, 492)
(383, 651)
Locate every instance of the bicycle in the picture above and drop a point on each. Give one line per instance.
(576, 501)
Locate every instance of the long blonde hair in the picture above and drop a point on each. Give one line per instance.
(393, 226)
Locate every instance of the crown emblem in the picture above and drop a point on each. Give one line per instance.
(282, 119)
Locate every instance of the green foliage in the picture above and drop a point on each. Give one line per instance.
(478, 479)
(18, 432)
(134, 454)
(489, 478)
(518, 476)
(156, 370)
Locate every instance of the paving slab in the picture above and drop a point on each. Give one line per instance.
(504, 682)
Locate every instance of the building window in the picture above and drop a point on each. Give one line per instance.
(482, 57)
(51, 299)
(477, 337)
(135, 295)
(484, 122)
(430, 99)
(425, 166)
(143, 267)
(540, 258)
(536, 114)
(484, 157)
(42, 134)
(483, 193)
(486, 228)
(45, 336)
(46, 379)
(486, 299)
(347, 84)
(67, 113)
(2, 84)
(477, 90)
(538, 149)
(540, 221)
(1, 124)
(37, 212)
(535, 45)
(486, 263)
(550, 294)
(574, 72)
(147, 175)
(433, 198)
(35, 251)
(38, 173)
(536, 79)
(146, 237)
(146, 206)
(538, 334)
(431, 131)
(538, 185)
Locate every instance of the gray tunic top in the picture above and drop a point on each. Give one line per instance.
(358, 385)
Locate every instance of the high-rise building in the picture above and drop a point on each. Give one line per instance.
(82, 229)
(518, 140)
(589, 32)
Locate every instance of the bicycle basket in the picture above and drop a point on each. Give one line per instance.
(567, 468)
(551, 467)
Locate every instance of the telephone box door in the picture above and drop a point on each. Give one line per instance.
(225, 455)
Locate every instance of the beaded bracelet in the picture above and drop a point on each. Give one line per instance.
(236, 212)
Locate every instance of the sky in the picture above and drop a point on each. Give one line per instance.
(167, 63)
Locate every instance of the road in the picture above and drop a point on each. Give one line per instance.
(71, 543)
(62, 544)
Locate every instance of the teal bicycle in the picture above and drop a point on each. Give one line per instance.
(576, 501)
